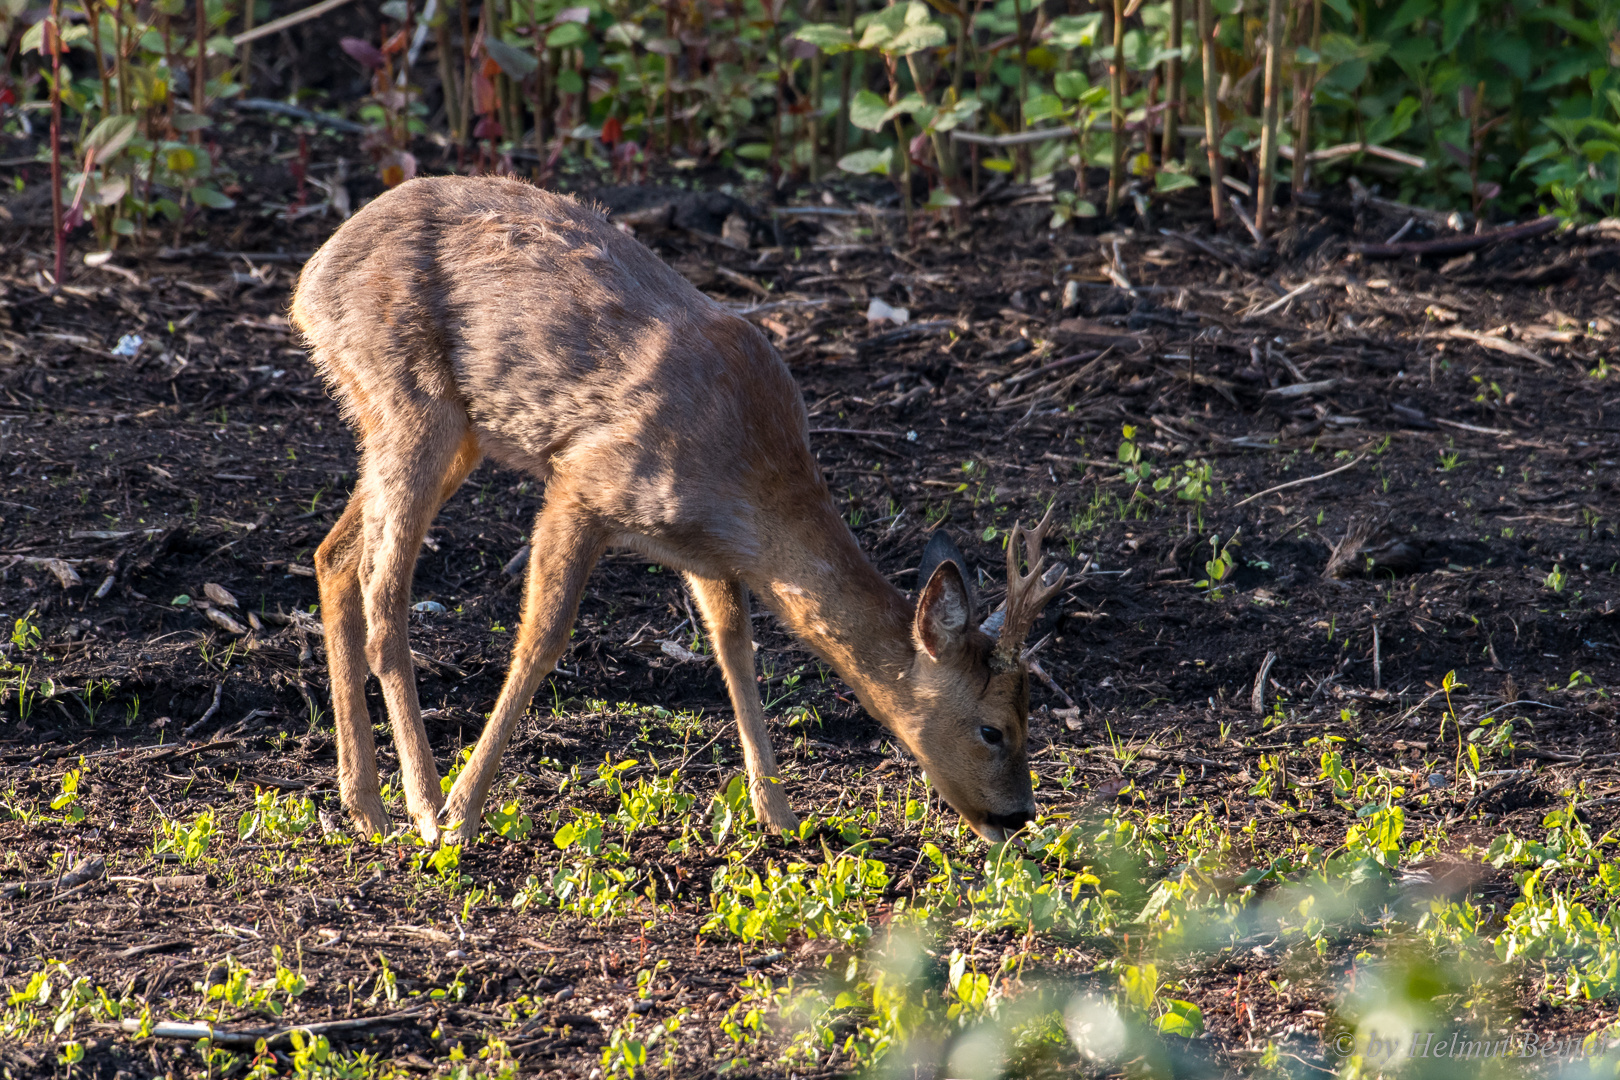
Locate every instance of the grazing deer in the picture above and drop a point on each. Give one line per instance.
(455, 318)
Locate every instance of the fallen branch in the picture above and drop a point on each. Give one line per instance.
(1257, 699)
(1297, 483)
(905, 333)
(856, 431)
(281, 108)
(1056, 365)
(90, 868)
(275, 26)
(1457, 245)
(1017, 138)
(213, 710)
(1286, 297)
(1331, 153)
(249, 1038)
(1497, 344)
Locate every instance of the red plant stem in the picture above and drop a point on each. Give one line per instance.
(466, 69)
(53, 38)
(199, 89)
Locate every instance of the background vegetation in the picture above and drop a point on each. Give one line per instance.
(1498, 109)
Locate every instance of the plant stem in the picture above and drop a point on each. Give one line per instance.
(466, 70)
(199, 88)
(964, 31)
(540, 87)
(121, 37)
(248, 12)
(1172, 93)
(447, 74)
(1023, 84)
(1116, 109)
(1212, 119)
(92, 14)
(846, 71)
(1302, 103)
(942, 155)
(1268, 122)
(902, 145)
(813, 118)
(53, 38)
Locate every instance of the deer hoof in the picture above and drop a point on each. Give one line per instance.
(459, 824)
(772, 808)
(428, 826)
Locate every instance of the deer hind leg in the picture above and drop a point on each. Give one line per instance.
(564, 548)
(337, 566)
(409, 472)
(724, 605)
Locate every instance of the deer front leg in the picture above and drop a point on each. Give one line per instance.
(724, 605)
(562, 552)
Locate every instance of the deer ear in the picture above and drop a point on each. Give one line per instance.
(940, 549)
(944, 610)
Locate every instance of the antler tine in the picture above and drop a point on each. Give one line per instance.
(1027, 593)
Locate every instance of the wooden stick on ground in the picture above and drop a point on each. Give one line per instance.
(1304, 480)
(1257, 699)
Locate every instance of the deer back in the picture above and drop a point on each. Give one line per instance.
(570, 348)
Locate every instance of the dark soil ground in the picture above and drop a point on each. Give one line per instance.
(1475, 453)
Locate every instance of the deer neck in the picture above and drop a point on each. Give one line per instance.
(821, 586)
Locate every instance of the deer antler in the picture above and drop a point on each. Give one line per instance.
(1027, 593)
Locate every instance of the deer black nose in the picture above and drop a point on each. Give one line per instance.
(1013, 821)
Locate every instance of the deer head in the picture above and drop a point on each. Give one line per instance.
(970, 683)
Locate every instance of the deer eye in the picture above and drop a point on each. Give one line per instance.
(991, 735)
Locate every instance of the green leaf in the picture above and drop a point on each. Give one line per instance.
(1141, 986)
(1076, 31)
(828, 37)
(212, 198)
(911, 103)
(940, 199)
(1000, 165)
(517, 63)
(180, 159)
(1164, 181)
(570, 81)
(917, 38)
(1070, 84)
(754, 151)
(867, 161)
(1456, 16)
(109, 191)
(565, 36)
(1181, 1018)
(1043, 107)
(110, 136)
(187, 122)
(902, 29)
(949, 117)
(868, 111)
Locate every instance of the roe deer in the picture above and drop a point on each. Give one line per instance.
(455, 318)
